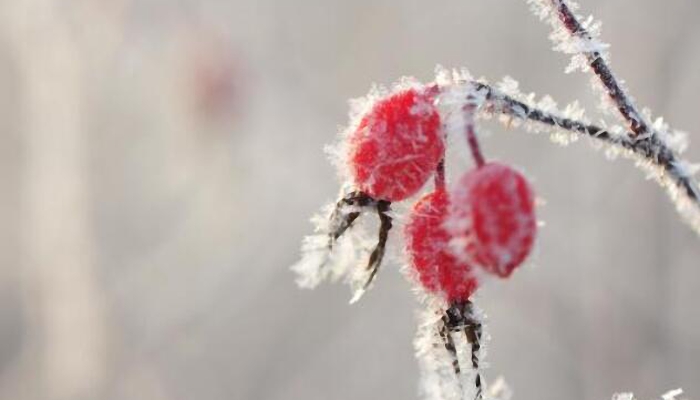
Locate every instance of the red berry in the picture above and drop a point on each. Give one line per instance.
(397, 146)
(427, 241)
(493, 218)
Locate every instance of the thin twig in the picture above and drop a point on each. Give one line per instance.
(596, 61)
(469, 109)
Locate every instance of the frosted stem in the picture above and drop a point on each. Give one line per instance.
(596, 61)
(471, 133)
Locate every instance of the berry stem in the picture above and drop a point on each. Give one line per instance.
(627, 109)
(433, 90)
(440, 175)
(471, 132)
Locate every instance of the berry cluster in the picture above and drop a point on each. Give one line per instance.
(485, 223)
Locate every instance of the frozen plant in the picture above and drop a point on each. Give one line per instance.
(482, 224)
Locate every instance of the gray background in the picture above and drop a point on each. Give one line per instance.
(145, 241)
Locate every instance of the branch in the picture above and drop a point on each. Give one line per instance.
(653, 150)
(596, 61)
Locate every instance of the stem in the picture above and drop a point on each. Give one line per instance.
(471, 133)
(472, 331)
(440, 175)
(624, 104)
(461, 316)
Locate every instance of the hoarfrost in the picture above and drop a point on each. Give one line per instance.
(508, 88)
(675, 140)
(547, 104)
(445, 77)
(458, 102)
(686, 169)
(318, 263)
(499, 390)
(437, 378)
(359, 107)
(583, 45)
(337, 152)
(541, 8)
(672, 394)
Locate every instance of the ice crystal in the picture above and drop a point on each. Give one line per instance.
(586, 43)
(675, 140)
(508, 88)
(318, 263)
(438, 380)
(499, 390)
(672, 394)
(623, 396)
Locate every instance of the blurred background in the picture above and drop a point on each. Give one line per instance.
(160, 161)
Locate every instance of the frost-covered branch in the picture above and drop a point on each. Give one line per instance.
(672, 172)
(593, 52)
(580, 38)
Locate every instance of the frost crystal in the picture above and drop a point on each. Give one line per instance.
(623, 396)
(345, 261)
(502, 102)
(317, 263)
(438, 380)
(581, 46)
(675, 140)
(672, 394)
(499, 390)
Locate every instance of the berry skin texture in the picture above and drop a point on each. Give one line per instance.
(397, 146)
(493, 219)
(438, 270)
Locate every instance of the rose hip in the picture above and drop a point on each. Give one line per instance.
(438, 270)
(493, 218)
(396, 146)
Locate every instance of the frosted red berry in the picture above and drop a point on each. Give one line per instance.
(493, 218)
(396, 146)
(427, 241)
